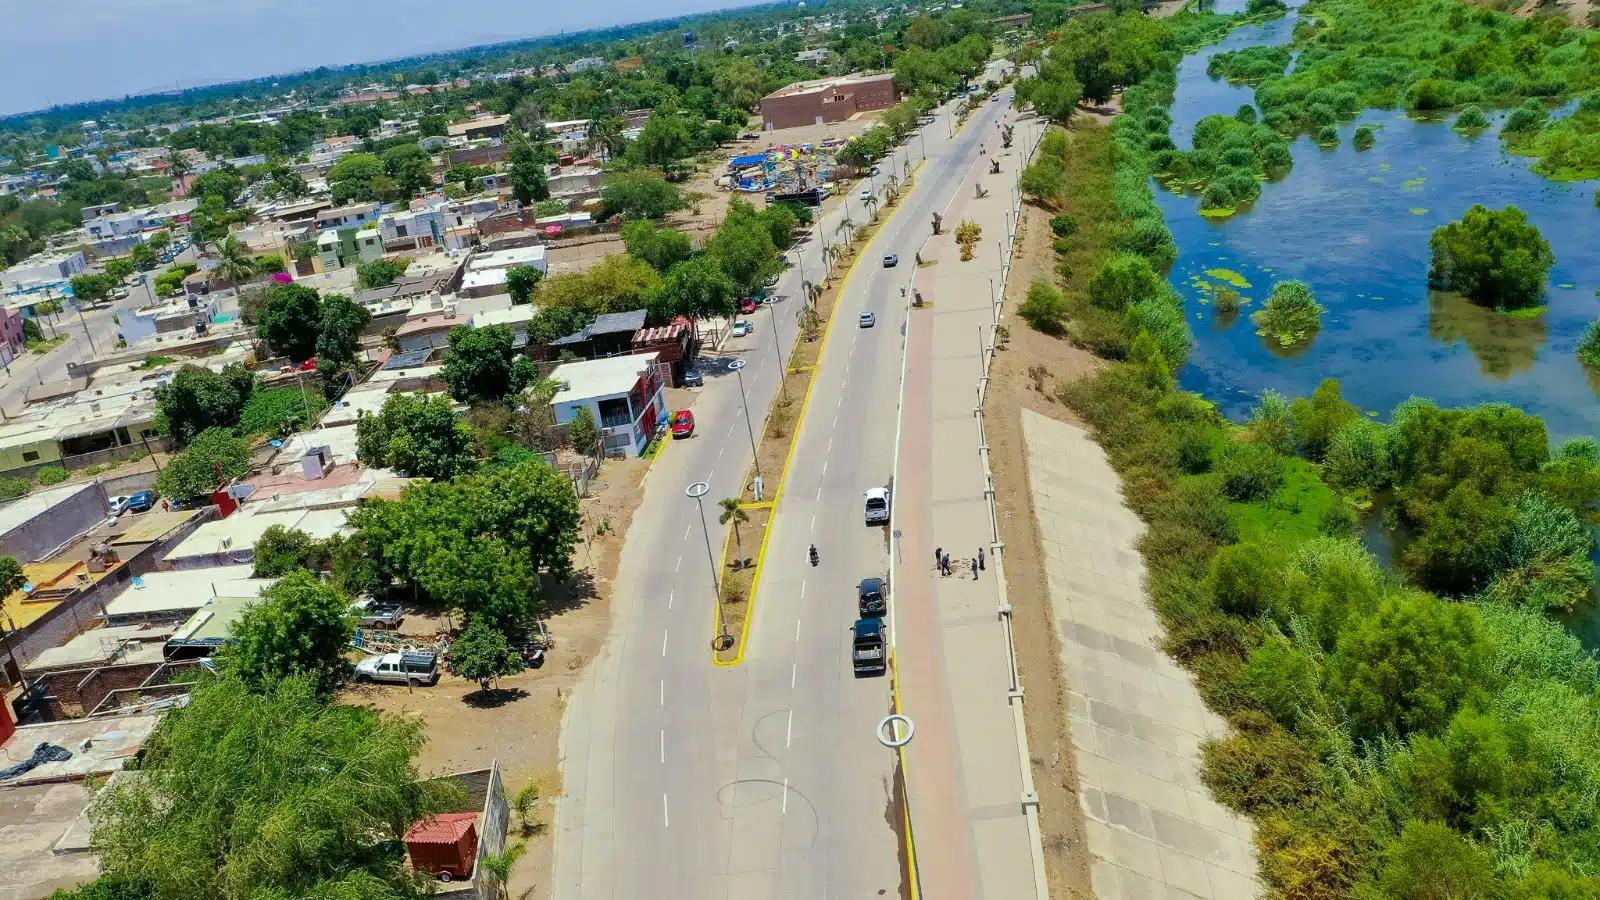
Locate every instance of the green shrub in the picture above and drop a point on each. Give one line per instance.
(1357, 457)
(1061, 246)
(1364, 138)
(1285, 680)
(1196, 443)
(1148, 236)
(1216, 197)
(1276, 157)
(52, 475)
(1327, 135)
(1044, 309)
(1431, 93)
(1337, 520)
(1165, 324)
(1246, 114)
(1249, 471)
(1431, 862)
(1290, 315)
(1246, 577)
(1495, 257)
(12, 488)
(1064, 225)
(1123, 280)
(1258, 770)
(1270, 423)
(1589, 344)
(1314, 420)
(1471, 119)
(1227, 302)
(279, 409)
(1527, 118)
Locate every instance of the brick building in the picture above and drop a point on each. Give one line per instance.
(827, 100)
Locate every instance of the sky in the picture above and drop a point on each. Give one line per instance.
(67, 51)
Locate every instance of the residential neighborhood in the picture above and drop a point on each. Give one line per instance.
(511, 470)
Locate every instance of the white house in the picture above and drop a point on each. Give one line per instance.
(515, 318)
(625, 394)
(43, 268)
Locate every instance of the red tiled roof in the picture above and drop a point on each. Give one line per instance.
(445, 828)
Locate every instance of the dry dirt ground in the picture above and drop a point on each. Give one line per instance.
(519, 724)
(581, 253)
(1027, 374)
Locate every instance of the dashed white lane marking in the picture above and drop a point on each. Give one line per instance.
(785, 810)
(794, 672)
(663, 699)
(670, 595)
(666, 821)
(663, 642)
(663, 745)
(686, 531)
(679, 565)
(797, 631)
(813, 522)
(788, 734)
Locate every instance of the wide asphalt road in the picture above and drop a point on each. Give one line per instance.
(684, 779)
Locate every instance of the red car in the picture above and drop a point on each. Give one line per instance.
(682, 423)
(747, 305)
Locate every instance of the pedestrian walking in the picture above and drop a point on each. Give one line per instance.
(947, 564)
(980, 559)
(974, 570)
(938, 557)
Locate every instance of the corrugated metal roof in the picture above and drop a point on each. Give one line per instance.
(445, 828)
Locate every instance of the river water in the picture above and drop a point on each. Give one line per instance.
(1354, 226)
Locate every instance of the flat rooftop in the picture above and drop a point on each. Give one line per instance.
(34, 818)
(185, 589)
(104, 646)
(607, 377)
(111, 741)
(21, 511)
(823, 84)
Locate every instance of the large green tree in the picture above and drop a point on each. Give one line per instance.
(339, 332)
(481, 366)
(421, 437)
(197, 399)
(289, 321)
(660, 247)
(482, 654)
(411, 169)
(640, 194)
(529, 184)
(1495, 257)
(268, 794)
(214, 458)
(665, 138)
(356, 177)
(301, 628)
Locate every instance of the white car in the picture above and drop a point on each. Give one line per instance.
(741, 328)
(865, 196)
(119, 504)
(868, 320)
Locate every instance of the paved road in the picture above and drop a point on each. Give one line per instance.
(30, 369)
(764, 780)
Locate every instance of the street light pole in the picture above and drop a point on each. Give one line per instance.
(698, 490)
(783, 370)
(738, 369)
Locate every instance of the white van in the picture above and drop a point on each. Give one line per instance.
(878, 506)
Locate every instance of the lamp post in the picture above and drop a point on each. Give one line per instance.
(783, 370)
(738, 369)
(698, 490)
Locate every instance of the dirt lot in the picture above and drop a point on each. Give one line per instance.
(580, 254)
(1026, 375)
(519, 724)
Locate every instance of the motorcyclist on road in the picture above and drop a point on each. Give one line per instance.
(813, 554)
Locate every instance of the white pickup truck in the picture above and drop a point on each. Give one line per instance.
(878, 506)
(413, 667)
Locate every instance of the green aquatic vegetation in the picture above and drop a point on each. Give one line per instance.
(1419, 210)
(1250, 65)
(1231, 277)
(1567, 149)
(1589, 346)
(1328, 136)
(1525, 119)
(1411, 184)
(1291, 314)
(1430, 56)
(1365, 137)
(1493, 257)
(1471, 119)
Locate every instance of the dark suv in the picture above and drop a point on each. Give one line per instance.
(869, 598)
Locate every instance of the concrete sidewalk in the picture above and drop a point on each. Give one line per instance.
(1137, 720)
(965, 768)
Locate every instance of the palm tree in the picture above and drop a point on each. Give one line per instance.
(872, 202)
(497, 867)
(233, 259)
(525, 804)
(605, 135)
(732, 513)
(177, 167)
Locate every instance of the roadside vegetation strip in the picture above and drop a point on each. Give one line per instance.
(1391, 731)
(735, 654)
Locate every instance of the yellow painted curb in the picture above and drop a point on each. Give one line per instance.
(763, 505)
(788, 460)
(905, 778)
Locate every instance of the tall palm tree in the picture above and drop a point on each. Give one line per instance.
(605, 135)
(497, 867)
(177, 167)
(732, 513)
(233, 259)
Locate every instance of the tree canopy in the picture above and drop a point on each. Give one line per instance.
(301, 628)
(197, 399)
(212, 459)
(481, 366)
(1495, 257)
(289, 321)
(420, 437)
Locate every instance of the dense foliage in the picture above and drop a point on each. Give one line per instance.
(211, 460)
(1495, 257)
(263, 794)
(300, 629)
(1291, 314)
(197, 399)
(479, 543)
(420, 437)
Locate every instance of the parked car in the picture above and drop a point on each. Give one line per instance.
(742, 328)
(378, 615)
(410, 667)
(890, 260)
(682, 424)
(869, 598)
(693, 378)
(866, 649)
(119, 504)
(747, 305)
(141, 502)
(868, 320)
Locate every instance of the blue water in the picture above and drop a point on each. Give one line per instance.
(1354, 226)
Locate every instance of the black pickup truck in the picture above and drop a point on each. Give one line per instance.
(867, 651)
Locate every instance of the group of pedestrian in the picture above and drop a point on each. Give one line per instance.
(941, 561)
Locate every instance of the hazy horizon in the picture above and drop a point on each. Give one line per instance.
(102, 51)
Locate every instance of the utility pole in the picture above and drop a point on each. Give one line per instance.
(698, 490)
